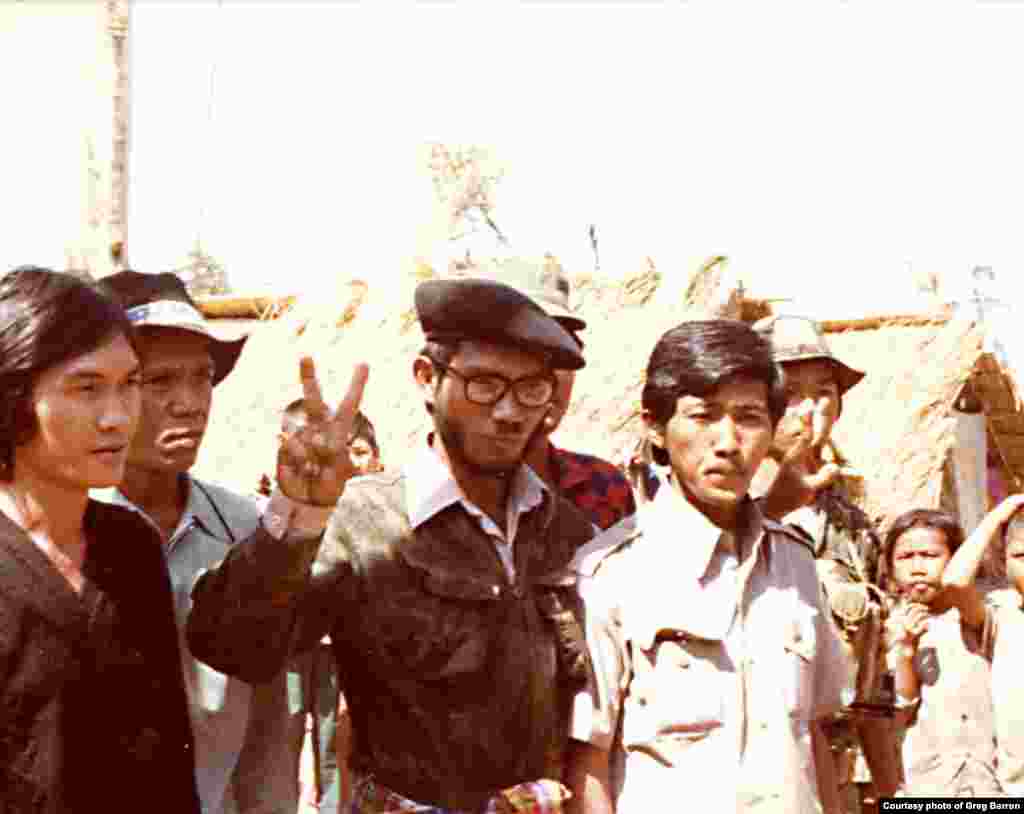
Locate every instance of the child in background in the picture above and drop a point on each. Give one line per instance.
(940, 637)
(1003, 526)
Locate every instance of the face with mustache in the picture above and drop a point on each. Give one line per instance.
(177, 391)
(715, 445)
(491, 439)
(919, 556)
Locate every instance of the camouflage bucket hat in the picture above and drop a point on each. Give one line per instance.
(544, 282)
(796, 339)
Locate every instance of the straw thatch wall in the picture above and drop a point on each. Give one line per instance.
(897, 426)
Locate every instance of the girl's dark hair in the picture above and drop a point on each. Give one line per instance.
(363, 428)
(46, 318)
(922, 518)
(695, 358)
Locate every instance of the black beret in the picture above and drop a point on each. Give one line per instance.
(489, 311)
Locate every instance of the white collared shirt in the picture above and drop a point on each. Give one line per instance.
(431, 488)
(714, 663)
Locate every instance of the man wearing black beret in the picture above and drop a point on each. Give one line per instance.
(446, 586)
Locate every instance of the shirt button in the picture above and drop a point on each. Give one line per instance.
(496, 590)
(963, 717)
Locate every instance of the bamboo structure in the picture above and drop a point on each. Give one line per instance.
(118, 17)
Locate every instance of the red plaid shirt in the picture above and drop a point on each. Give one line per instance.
(596, 487)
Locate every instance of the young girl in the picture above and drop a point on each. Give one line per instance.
(93, 714)
(1004, 525)
(940, 638)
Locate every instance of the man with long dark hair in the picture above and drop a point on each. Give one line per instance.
(93, 713)
(242, 744)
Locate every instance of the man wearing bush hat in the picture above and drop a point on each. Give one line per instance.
(445, 585)
(242, 749)
(809, 493)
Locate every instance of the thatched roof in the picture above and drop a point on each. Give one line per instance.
(895, 429)
(897, 425)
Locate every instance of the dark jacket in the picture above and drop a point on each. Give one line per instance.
(459, 683)
(92, 702)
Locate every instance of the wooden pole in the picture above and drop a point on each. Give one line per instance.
(118, 18)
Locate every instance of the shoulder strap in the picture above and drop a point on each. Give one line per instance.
(792, 533)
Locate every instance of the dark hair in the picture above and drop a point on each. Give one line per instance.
(362, 427)
(46, 318)
(927, 519)
(695, 358)
(440, 353)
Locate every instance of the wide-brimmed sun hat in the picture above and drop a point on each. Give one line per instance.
(162, 301)
(797, 339)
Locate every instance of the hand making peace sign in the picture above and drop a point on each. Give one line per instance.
(313, 463)
(801, 474)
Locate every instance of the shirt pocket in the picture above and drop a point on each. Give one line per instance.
(437, 629)
(677, 686)
(799, 643)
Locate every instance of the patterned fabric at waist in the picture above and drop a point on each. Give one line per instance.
(536, 797)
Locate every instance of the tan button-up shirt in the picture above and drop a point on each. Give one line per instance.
(713, 653)
(949, 749)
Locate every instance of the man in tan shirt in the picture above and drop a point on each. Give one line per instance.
(711, 646)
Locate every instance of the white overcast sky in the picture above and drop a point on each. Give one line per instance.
(822, 146)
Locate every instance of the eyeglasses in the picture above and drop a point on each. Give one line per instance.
(488, 389)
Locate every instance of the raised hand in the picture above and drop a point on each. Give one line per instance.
(906, 623)
(313, 463)
(1008, 508)
(801, 472)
